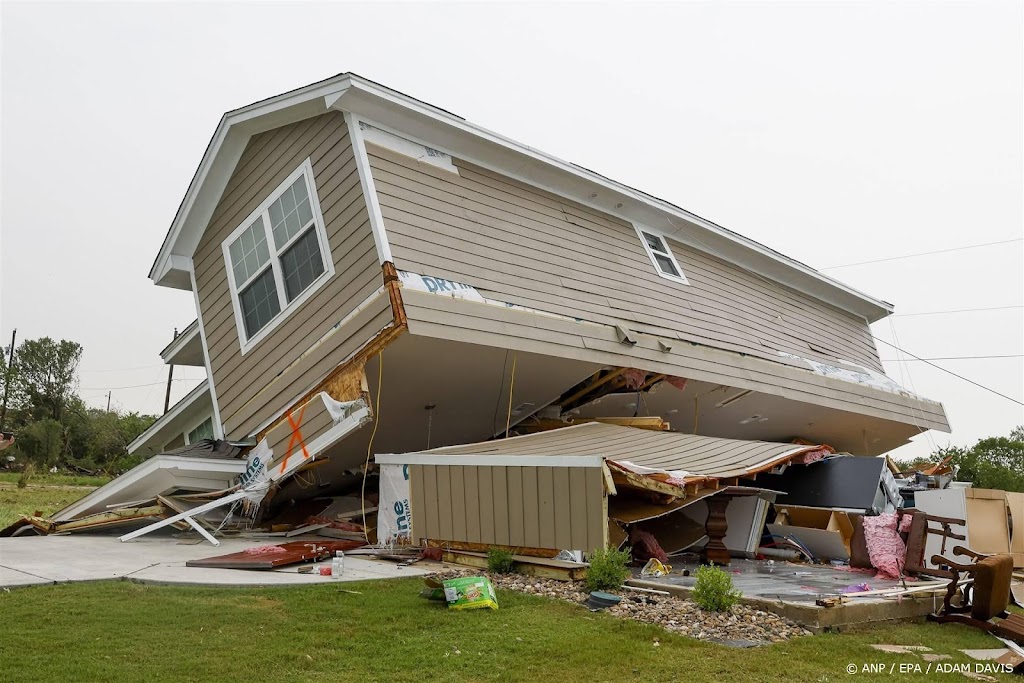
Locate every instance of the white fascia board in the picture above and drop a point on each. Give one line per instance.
(441, 130)
(218, 426)
(380, 237)
(218, 163)
(485, 460)
(184, 338)
(226, 467)
(171, 415)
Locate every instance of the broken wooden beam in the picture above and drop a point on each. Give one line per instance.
(530, 566)
(463, 546)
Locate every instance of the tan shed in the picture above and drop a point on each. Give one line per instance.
(550, 490)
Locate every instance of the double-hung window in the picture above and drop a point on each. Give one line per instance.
(663, 259)
(278, 257)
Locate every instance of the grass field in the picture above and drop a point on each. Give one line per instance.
(45, 493)
(120, 631)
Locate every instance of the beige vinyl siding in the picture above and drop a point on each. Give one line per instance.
(478, 323)
(524, 246)
(531, 507)
(279, 369)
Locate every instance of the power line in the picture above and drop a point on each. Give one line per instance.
(140, 367)
(958, 310)
(923, 253)
(910, 360)
(137, 386)
(950, 372)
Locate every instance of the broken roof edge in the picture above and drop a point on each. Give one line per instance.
(226, 467)
(449, 133)
(178, 343)
(176, 410)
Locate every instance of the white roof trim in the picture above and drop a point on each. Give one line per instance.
(171, 415)
(221, 469)
(184, 338)
(490, 460)
(421, 122)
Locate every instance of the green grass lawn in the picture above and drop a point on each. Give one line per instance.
(121, 631)
(45, 493)
(47, 479)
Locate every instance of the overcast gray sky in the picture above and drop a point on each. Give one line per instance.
(833, 132)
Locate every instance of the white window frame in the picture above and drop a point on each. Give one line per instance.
(197, 425)
(304, 169)
(640, 230)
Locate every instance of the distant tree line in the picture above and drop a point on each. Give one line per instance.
(993, 463)
(52, 425)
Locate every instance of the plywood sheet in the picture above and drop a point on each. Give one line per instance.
(987, 527)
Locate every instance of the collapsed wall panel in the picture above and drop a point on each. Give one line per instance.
(559, 507)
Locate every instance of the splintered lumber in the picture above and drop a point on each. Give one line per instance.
(542, 568)
(102, 520)
(623, 478)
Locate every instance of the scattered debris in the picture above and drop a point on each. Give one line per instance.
(671, 613)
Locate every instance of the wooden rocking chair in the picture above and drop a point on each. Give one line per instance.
(985, 600)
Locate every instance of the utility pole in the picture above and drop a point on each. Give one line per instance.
(7, 378)
(108, 400)
(170, 376)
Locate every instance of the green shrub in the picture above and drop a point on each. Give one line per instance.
(26, 475)
(499, 561)
(713, 590)
(608, 569)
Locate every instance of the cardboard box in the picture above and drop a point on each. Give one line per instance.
(1016, 502)
(825, 533)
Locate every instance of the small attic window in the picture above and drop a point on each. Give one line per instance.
(661, 256)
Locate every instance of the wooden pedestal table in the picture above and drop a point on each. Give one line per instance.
(716, 527)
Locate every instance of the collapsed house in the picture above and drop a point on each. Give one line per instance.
(375, 275)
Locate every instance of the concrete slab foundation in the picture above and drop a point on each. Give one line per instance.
(791, 589)
(160, 558)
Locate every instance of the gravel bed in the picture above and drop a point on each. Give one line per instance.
(742, 626)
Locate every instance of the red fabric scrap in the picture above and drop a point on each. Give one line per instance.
(645, 546)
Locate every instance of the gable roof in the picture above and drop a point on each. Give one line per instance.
(447, 132)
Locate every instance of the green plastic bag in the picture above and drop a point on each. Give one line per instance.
(470, 592)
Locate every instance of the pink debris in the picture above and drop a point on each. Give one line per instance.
(856, 588)
(678, 382)
(905, 523)
(265, 550)
(808, 457)
(634, 378)
(885, 547)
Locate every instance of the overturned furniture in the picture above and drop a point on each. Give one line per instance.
(985, 603)
(583, 487)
